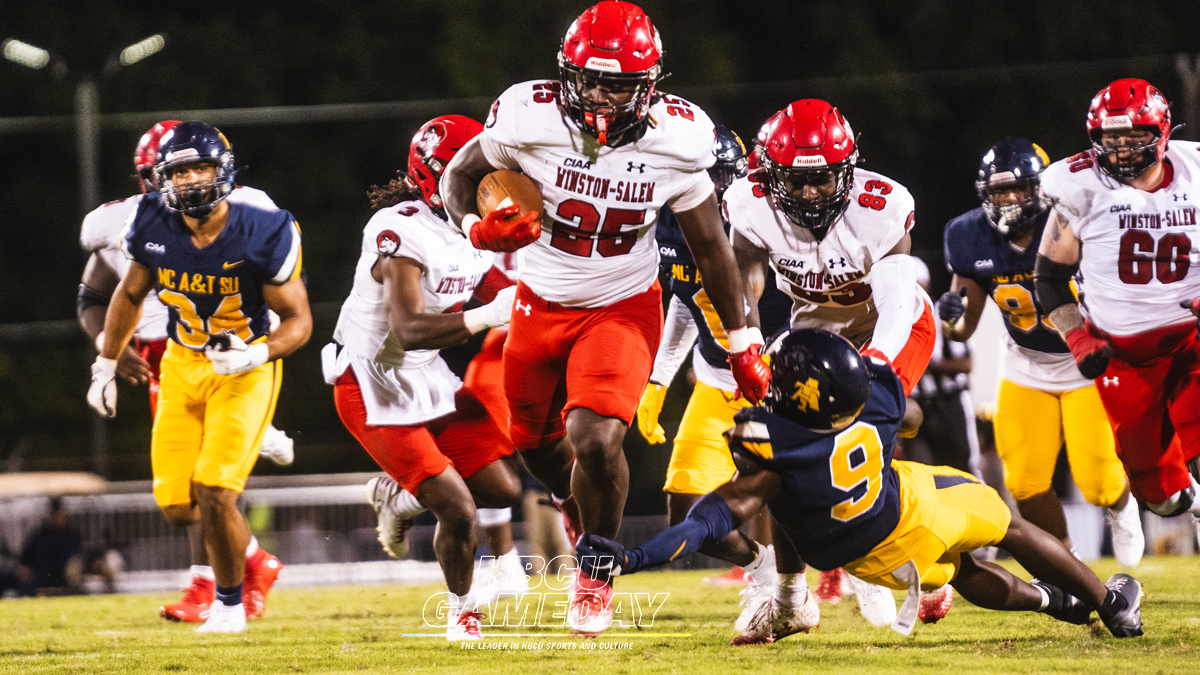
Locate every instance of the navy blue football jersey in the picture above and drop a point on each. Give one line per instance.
(217, 288)
(840, 496)
(977, 251)
(675, 258)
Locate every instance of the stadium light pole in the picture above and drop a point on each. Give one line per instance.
(87, 137)
(1188, 68)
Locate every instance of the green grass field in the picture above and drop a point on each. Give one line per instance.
(350, 629)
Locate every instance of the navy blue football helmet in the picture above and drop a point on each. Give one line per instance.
(1009, 185)
(732, 162)
(190, 143)
(818, 379)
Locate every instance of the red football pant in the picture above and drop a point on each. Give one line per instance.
(485, 377)
(1151, 392)
(558, 359)
(466, 439)
(913, 359)
(153, 352)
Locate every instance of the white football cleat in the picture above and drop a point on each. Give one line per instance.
(464, 626)
(778, 619)
(224, 618)
(395, 508)
(877, 604)
(1128, 542)
(277, 446)
(760, 588)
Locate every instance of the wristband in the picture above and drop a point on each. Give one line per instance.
(740, 339)
(469, 221)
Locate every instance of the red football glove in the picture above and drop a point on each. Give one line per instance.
(501, 231)
(872, 352)
(1091, 353)
(751, 373)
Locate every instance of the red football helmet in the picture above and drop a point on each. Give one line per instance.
(432, 148)
(611, 51)
(146, 154)
(808, 147)
(1127, 105)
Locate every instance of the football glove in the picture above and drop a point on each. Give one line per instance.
(498, 312)
(504, 231)
(647, 413)
(750, 371)
(1091, 353)
(950, 306)
(600, 558)
(102, 394)
(230, 355)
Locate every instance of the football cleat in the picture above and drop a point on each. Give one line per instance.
(464, 626)
(735, 576)
(262, 569)
(935, 605)
(383, 494)
(224, 619)
(1128, 542)
(760, 588)
(197, 599)
(591, 605)
(777, 619)
(829, 587)
(876, 603)
(277, 446)
(1126, 621)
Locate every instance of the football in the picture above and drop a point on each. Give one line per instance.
(503, 188)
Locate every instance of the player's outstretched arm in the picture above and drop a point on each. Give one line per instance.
(404, 306)
(460, 181)
(710, 248)
(714, 516)
(290, 301)
(752, 263)
(961, 307)
(893, 284)
(1057, 261)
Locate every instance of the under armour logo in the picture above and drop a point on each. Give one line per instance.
(1111, 381)
(526, 308)
(1180, 197)
(641, 168)
(840, 261)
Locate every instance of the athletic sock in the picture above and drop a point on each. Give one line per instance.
(1113, 603)
(202, 571)
(762, 554)
(229, 597)
(1052, 598)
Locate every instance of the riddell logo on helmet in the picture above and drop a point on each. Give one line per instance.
(597, 63)
(1117, 122)
(183, 153)
(809, 160)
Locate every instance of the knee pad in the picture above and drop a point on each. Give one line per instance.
(492, 517)
(1178, 504)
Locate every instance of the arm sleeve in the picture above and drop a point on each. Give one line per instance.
(679, 333)
(893, 284)
(709, 520)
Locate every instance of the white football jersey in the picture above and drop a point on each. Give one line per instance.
(101, 234)
(829, 281)
(1137, 246)
(591, 189)
(453, 268)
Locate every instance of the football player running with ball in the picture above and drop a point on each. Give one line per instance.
(820, 454)
(1125, 217)
(219, 267)
(607, 152)
(139, 364)
(838, 241)
(433, 436)
(1043, 400)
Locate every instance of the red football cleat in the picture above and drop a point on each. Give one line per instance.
(591, 610)
(197, 598)
(935, 605)
(829, 588)
(262, 568)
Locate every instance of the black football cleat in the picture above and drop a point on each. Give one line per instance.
(1122, 610)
